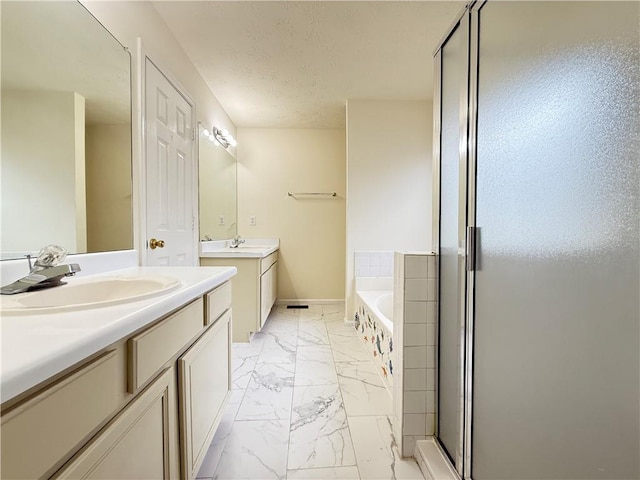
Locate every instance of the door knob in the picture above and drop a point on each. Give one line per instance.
(153, 244)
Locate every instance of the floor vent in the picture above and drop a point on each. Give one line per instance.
(297, 306)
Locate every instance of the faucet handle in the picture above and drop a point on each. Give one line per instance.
(50, 256)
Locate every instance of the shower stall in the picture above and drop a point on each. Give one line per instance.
(537, 229)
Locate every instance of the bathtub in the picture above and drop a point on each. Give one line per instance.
(374, 323)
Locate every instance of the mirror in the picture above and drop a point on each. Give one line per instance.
(217, 174)
(66, 131)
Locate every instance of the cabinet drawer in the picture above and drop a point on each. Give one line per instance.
(267, 261)
(151, 349)
(217, 302)
(43, 430)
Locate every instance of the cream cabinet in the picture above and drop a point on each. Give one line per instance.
(139, 443)
(42, 430)
(255, 290)
(205, 384)
(145, 407)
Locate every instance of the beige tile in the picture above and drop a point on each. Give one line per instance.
(415, 402)
(415, 357)
(415, 379)
(415, 311)
(416, 289)
(416, 266)
(432, 312)
(415, 335)
(431, 334)
(415, 423)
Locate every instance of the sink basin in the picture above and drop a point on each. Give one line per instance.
(248, 248)
(98, 292)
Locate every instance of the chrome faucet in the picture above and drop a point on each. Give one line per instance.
(45, 272)
(236, 242)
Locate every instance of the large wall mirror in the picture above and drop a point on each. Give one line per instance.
(217, 174)
(66, 131)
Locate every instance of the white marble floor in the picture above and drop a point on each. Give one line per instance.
(307, 404)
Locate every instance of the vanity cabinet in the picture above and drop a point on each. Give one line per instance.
(145, 407)
(205, 381)
(255, 290)
(139, 443)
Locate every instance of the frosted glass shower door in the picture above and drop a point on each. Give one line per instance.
(451, 231)
(557, 315)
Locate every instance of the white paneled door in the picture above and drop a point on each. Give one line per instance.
(170, 164)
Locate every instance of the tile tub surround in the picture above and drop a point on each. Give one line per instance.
(298, 408)
(373, 264)
(376, 335)
(414, 332)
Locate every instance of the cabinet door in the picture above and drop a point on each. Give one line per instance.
(265, 295)
(274, 285)
(205, 382)
(140, 443)
(31, 427)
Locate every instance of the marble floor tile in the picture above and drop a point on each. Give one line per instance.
(334, 317)
(255, 449)
(363, 391)
(377, 452)
(242, 369)
(312, 332)
(282, 314)
(276, 325)
(334, 473)
(279, 347)
(319, 434)
(247, 349)
(348, 348)
(269, 394)
(338, 326)
(314, 366)
(314, 312)
(211, 459)
(329, 308)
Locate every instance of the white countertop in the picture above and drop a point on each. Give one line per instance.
(251, 248)
(36, 347)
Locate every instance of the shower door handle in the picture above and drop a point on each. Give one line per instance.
(471, 252)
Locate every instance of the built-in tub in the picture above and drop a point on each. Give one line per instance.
(374, 324)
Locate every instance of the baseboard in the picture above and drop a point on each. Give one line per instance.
(309, 301)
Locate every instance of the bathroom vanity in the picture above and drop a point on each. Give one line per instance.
(255, 288)
(130, 390)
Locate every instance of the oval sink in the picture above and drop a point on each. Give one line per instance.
(89, 293)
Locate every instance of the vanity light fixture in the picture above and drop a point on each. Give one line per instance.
(223, 137)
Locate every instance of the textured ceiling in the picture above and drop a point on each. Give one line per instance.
(293, 64)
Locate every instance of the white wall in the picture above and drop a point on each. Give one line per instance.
(272, 162)
(43, 171)
(388, 179)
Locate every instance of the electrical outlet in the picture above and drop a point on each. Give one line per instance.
(252, 221)
(221, 220)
